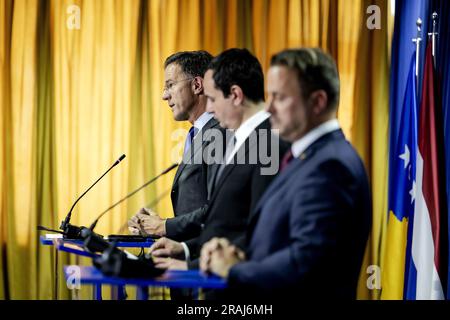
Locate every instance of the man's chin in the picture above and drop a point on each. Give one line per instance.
(287, 136)
(275, 126)
(179, 116)
(276, 129)
(221, 123)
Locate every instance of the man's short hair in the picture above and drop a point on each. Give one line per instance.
(192, 63)
(315, 70)
(238, 67)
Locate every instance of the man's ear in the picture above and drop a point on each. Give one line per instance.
(319, 101)
(197, 84)
(237, 95)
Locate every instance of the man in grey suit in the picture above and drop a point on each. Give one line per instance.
(184, 94)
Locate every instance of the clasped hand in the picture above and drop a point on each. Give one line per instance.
(218, 256)
(147, 222)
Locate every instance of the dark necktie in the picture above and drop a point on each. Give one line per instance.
(288, 157)
(189, 138)
(228, 151)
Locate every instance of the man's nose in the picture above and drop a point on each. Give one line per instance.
(209, 107)
(269, 106)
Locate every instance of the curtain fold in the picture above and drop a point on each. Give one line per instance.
(73, 100)
(6, 10)
(370, 131)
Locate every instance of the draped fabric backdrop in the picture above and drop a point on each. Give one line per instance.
(72, 101)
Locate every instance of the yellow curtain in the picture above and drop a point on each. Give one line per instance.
(73, 100)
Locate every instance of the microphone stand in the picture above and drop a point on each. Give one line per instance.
(95, 242)
(72, 231)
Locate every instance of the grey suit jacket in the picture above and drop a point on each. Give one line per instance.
(193, 185)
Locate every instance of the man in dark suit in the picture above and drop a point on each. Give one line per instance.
(308, 233)
(234, 87)
(184, 92)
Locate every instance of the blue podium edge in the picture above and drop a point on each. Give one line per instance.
(122, 244)
(171, 278)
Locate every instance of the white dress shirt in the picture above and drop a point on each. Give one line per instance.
(202, 121)
(245, 129)
(241, 134)
(299, 146)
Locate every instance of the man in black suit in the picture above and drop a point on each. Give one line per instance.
(234, 87)
(184, 93)
(308, 233)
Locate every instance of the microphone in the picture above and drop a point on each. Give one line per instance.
(118, 161)
(71, 231)
(132, 193)
(95, 242)
(114, 262)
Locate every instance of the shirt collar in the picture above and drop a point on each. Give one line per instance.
(202, 121)
(246, 128)
(312, 136)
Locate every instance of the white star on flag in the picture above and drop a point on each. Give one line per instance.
(405, 156)
(412, 192)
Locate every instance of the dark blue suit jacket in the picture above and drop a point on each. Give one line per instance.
(308, 233)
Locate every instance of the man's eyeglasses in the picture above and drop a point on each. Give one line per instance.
(169, 86)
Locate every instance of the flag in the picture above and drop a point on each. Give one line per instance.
(443, 70)
(401, 190)
(427, 269)
(405, 29)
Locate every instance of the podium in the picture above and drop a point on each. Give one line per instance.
(76, 247)
(171, 279)
(89, 275)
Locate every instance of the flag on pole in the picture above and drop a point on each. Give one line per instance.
(443, 75)
(401, 191)
(427, 270)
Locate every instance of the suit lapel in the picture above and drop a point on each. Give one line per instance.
(229, 168)
(178, 173)
(198, 147)
(213, 170)
(293, 167)
(276, 184)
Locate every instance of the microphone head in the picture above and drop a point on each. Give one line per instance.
(120, 159)
(93, 225)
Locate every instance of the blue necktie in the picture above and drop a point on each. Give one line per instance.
(189, 138)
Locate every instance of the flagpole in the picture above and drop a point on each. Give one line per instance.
(433, 35)
(417, 42)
